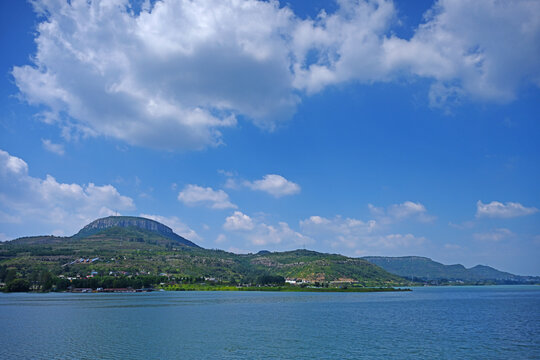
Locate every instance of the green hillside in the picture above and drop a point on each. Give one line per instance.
(114, 247)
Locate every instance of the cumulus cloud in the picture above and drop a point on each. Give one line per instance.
(170, 77)
(275, 185)
(397, 212)
(47, 201)
(346, 229)
(497, 209)
(177, 73)
(462, 46)
(359, 236)
(257, 233)
(176, 225)
(195, 195)
(52, 147)
(238, 221)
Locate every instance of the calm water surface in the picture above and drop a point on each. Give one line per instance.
(491, 322)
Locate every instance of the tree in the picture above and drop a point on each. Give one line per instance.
(271, 280)
(3, 272)
(18, 285)
(46, 280)
(62, 284)
(11, 275)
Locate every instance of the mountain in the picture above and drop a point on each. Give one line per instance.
(131, 222)
(132, 245)
(425, 269)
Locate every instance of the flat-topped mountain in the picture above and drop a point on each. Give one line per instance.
(140, 223)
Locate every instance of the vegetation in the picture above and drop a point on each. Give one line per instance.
(117, 257)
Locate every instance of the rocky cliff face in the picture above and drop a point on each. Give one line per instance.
(128, 221)
(131, 221)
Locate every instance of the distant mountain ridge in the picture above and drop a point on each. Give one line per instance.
(102, 224)
(426, 269)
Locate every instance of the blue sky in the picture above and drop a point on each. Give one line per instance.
(352, 127)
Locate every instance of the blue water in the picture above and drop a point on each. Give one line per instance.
(490, 322)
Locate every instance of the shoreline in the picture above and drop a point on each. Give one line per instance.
(224, 289)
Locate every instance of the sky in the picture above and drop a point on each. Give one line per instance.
(359, 127)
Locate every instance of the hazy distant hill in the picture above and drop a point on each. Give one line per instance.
(139, 245)
(423, 268)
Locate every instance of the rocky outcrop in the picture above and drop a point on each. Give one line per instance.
(135, 222)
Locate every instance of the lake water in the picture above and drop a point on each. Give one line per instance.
(490, 322)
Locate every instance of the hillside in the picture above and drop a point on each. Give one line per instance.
(425, 269)
(136, 246)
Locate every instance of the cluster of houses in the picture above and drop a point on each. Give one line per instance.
(115, 273)
(305, 282)
(294, 281)
(111, 290)
(82, 261)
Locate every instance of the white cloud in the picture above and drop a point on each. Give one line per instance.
(462, 46)
(238, 221)
(52, 147)
(231, 183)
(361, 236)
(48, 202)
(177, 73)
(12, 165)
(344, 228)
(275, 185)
(169, 77)
(257, 233)
(176, 225)
(407, 209)
(194, 195)
(398, 212)
(465, 46)
(499, 210)
(348, 44)
(280, 234)
(495, 235)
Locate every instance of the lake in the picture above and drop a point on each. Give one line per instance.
(487, 322)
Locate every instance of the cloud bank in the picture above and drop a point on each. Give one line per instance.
(360, 237)
(176, 74)
(27, 199)
(257, 233)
